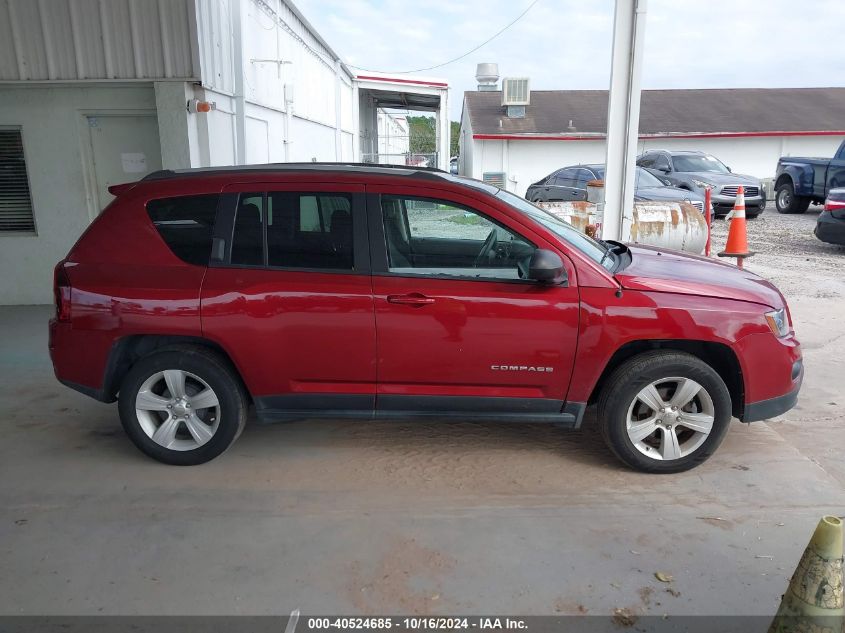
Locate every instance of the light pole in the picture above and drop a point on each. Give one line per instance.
(623, 114)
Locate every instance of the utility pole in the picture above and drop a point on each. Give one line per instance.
(623, 117)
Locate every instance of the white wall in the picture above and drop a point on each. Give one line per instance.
(394, 139)
(54, 131)
(756, 156)
(527, 162)
(322, 92)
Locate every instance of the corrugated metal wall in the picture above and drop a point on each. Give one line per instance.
(97, 39)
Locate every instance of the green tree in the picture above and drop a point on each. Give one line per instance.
(423, 133)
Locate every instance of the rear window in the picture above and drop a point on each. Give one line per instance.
(186, 225)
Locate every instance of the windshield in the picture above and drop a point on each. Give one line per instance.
(692, 162)
(572, 236)
(644, 178)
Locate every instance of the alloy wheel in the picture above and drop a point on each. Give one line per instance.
(670, 418)
(177, 410)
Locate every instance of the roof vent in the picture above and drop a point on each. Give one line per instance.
(487, 76)
(516, 112)
(515, 91)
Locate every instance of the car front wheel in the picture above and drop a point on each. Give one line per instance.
(182, 406)
(664, 412)
(787, 202)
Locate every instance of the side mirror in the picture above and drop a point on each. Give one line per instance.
(665, 170)
(546, 267)
(729, 169)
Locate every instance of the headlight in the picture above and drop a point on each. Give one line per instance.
(701, 184)
(778, 322)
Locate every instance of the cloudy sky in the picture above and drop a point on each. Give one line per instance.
(565, 44)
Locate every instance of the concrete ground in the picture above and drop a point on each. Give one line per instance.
(380, 517)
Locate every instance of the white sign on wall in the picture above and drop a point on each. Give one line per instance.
(134, 162)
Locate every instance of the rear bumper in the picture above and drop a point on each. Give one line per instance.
(80, 359)
(830, 229)
(766, 409)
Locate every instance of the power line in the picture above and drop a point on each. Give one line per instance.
(451, 61)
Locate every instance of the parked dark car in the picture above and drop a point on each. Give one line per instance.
(570, 183)
(830, 227)
(347, 291)
(696, 171)
(800, 181)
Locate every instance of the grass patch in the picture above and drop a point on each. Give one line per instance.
(470, 220)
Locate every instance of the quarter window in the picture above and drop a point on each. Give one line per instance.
(434, 237)
(186, 225)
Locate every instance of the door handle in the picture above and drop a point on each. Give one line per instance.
(413, 299)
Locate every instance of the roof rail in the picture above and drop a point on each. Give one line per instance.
(163, 174)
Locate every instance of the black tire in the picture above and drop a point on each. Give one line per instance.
(787, 202)
(206, 365)
(626, 382)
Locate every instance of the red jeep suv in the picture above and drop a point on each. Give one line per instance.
(349, 291)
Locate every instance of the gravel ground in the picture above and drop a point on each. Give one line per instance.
(809, 274)
(786, 249)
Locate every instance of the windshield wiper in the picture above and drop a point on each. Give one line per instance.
(608, 250)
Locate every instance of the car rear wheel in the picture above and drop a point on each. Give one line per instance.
(787, 202)
(664, 412)
(182, 406)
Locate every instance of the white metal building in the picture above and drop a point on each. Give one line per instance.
(96, 92)
(748, 129)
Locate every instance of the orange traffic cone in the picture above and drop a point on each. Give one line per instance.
(737, 245)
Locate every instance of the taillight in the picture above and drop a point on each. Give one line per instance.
(61, 292)
(836, 208)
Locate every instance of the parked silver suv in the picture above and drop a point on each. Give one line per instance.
(696, 170)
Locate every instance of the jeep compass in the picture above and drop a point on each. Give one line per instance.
(349, 291)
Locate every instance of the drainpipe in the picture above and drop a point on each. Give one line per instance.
(288, 95)
(338, 150)
(240, 101)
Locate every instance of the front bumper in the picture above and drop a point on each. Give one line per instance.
(724, 204)
(766, 409)
(830, 229)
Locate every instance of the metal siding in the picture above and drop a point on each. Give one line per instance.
(215, 38)
(28, 39)
(96, 39)
(8, 57)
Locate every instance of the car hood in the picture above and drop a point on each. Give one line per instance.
(661, 270)
(667, 193)
(716, 178)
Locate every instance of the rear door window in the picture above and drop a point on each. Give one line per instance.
(285, 229)
(565, 178)
(186, 224)
(309, 230)
(662, 163)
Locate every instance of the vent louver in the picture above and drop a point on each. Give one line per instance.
(15, 200)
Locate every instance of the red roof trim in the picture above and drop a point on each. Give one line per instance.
(599, 137)
(416, 82)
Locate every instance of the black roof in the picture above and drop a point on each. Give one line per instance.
(666, 112)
